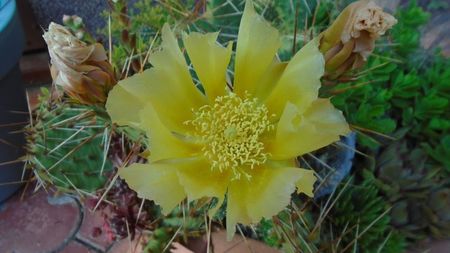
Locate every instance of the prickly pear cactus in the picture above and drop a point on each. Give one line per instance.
(68, 145)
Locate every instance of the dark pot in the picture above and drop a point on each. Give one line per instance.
(338, 157)
(13, 105)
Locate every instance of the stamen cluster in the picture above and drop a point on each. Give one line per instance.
(231, 130)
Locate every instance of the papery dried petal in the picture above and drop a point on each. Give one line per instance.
(348, 42)
(82, 70)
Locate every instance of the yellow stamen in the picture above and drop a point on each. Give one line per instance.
(231, 129)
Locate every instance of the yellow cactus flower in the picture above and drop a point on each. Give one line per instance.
(238, 142)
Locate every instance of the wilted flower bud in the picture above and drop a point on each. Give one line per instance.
(348, 42)
(82, 70)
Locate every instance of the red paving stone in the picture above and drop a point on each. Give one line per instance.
(75, 247)
(127, 246)
(94, 221)
(37, 224)
(221, 245)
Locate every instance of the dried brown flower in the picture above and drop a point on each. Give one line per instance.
(348, 42)
(82, 70)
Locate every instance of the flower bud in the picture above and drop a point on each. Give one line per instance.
(348, 42)
(66, 19)
(82, 70)
(77, 21)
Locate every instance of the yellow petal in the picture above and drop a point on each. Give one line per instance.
(236, 206)
(305, 183)
(128, 97)
(200, 181)
(138, 85)
(299, 133)
(210, 61)
(155, 181)
(257, 45)
(264, 195)
(300, 81)
(151, 87)
(172, 92)
(269, 79)
(119, 105)
(164, 144)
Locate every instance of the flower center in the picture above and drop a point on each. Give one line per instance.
(231, 129)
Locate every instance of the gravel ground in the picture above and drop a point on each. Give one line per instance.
(47, 11)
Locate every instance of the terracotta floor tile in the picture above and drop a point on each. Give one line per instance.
(236, 245)
(35, 68)
(435, 34)
(38, 223)
(125, 246)
(91, 230)
(75, 247)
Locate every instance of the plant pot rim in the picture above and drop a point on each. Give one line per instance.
(7, 9)
(12, 38)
